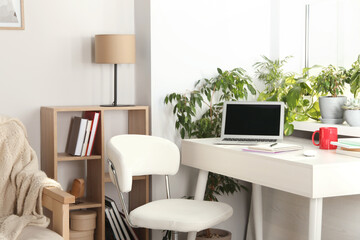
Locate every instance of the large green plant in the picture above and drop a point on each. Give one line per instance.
(354, 77)
(293, 90)
(198, 114)
(331, 81)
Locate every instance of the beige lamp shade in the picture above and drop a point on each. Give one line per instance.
(115, 48)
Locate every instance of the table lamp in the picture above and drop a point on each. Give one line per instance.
(115, 49)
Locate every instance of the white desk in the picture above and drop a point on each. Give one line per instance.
(326, 175)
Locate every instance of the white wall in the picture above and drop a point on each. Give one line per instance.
(189, 41)
(291, 15)
(333, 32)
(143, 53)
(51, 61)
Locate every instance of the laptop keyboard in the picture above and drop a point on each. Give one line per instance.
(249, 140)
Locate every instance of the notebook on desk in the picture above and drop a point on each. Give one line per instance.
(250, 123)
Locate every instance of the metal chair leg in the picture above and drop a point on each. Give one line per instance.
(191, 235)
(175, 235)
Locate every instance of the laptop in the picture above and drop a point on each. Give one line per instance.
(250, 123)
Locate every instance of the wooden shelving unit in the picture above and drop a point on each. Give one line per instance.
(138, 123)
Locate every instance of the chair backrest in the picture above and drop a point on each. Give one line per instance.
(135, 155)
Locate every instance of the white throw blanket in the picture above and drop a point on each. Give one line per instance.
(21, 181)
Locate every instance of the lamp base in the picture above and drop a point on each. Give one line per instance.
(117, 105)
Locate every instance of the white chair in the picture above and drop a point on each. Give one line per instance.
(135, 155)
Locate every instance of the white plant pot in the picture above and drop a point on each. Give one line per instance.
(330, 108)
(352, 117)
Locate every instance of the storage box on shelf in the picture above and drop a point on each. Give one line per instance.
(83, 220)
(138, 123)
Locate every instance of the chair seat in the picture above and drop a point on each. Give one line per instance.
(38, 233)
(181, 215)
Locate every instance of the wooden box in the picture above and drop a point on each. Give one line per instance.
(81, 235)
(83, 220)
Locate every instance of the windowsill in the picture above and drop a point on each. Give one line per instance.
(343, 129)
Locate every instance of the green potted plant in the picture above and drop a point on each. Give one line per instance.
(352, 107)
(293, 90)
(199, 113)
(353, 77)
(331, 81)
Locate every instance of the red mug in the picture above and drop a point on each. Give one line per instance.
(326, 135)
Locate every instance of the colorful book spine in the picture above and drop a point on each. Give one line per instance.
(77, 136)
(86, 139)
(94, 117)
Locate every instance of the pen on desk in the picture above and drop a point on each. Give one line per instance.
(273, 144)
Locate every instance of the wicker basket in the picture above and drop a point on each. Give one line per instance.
(81, 235)
(83, 220)
(220, 234)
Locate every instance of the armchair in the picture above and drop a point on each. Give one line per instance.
(56, 201)
(24, 190)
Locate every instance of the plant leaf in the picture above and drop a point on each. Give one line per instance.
(293, 96)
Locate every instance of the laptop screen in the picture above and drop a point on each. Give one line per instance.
(253, 119)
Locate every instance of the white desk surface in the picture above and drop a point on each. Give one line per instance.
(326, 175)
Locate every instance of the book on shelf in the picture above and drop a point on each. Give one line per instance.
(111, 222)
(351, 149)
(120, 217)
(348, 146)
(273, 148)
(350, 143)
(76, 136)
(349, 152)
(94, 117)
(86, 139)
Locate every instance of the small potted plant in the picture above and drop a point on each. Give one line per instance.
(330, 85)
(352, 107)
(199, 113)
(352, 112)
